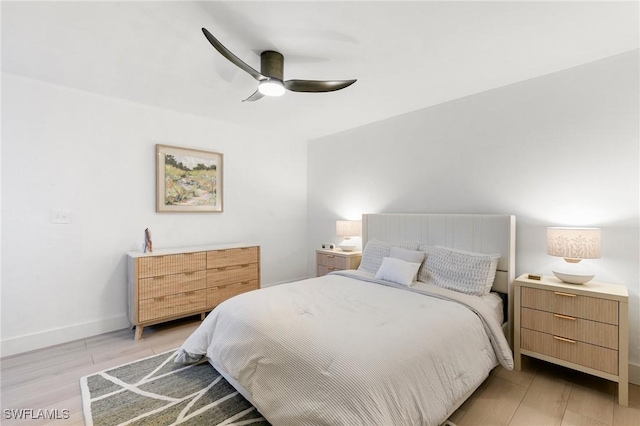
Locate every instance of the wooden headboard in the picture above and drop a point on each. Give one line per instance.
(483, 233)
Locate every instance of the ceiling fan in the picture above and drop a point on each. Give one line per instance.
(270, 78)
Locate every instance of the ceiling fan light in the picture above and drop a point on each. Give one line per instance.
(271, 87)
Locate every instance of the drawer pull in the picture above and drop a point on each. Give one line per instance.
(564, 317)
(222, 268)
(189, 273)
(562, 339)
(564, 294)
(189, 293)
(244, 282)
(222, 286)
(246, 265)
(331, 268)
(330, 256)
(158, 299)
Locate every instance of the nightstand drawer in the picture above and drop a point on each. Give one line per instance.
(596, 357)
(324, 270)
(165, 285)
(565, 303)
(595, 333)
(333, 261)
(171, 264)
(175, 304)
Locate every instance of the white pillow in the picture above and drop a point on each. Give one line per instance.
(398, 271)
(376, 250)
(459, 270)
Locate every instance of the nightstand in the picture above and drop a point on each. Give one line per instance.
(337, 260)
(584, 327)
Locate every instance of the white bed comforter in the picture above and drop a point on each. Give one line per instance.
(340, 350)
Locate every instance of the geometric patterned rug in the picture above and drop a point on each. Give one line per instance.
(157, 391)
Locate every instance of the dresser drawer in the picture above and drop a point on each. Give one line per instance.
(218, 294)
(171, 264)
(232, 274)
(175, 304)
(165, 285)
(333, 261)
(239, 256)
(595, 333)
(559, 302)
(591, 356)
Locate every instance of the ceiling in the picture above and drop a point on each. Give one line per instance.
(405, 55)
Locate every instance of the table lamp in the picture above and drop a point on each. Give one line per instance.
(573, 244)
(347, 229)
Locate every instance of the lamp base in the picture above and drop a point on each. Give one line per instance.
(572, 278)
(347, 245)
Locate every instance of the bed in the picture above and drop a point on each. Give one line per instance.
(377, 345)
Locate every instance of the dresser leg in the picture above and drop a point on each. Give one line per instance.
(202, 316)
(139, 332)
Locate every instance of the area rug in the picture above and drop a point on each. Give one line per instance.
(157, 391)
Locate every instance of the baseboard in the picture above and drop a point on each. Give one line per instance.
(634, 374)
(57, 336)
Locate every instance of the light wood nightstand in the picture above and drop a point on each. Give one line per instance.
(337, 260)
(584, 327)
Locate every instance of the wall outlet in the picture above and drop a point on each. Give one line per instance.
(61, 216)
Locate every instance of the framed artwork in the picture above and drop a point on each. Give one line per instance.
(188, 180)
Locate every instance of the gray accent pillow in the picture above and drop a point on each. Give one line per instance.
(463, 271)
(376, 250)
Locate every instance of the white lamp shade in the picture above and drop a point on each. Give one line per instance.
(574, 243)
(348, 228)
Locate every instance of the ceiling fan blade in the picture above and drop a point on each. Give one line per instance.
(256, 95)
(317, 85)
(231, 57)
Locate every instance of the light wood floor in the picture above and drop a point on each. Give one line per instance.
(541, 394)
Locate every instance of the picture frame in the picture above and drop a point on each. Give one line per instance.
(188, 180)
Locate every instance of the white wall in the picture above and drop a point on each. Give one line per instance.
(561, 149)
(71, 150)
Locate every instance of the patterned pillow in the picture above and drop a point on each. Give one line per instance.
(459, 270)
(376, 250)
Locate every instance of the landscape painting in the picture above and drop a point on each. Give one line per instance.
(188, 180)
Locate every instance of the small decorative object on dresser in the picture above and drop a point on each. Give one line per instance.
(335, 260)
(175, 283)
(581, 327)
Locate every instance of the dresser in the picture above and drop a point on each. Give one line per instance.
(174, 283)
(583, 327)
(337, 260)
